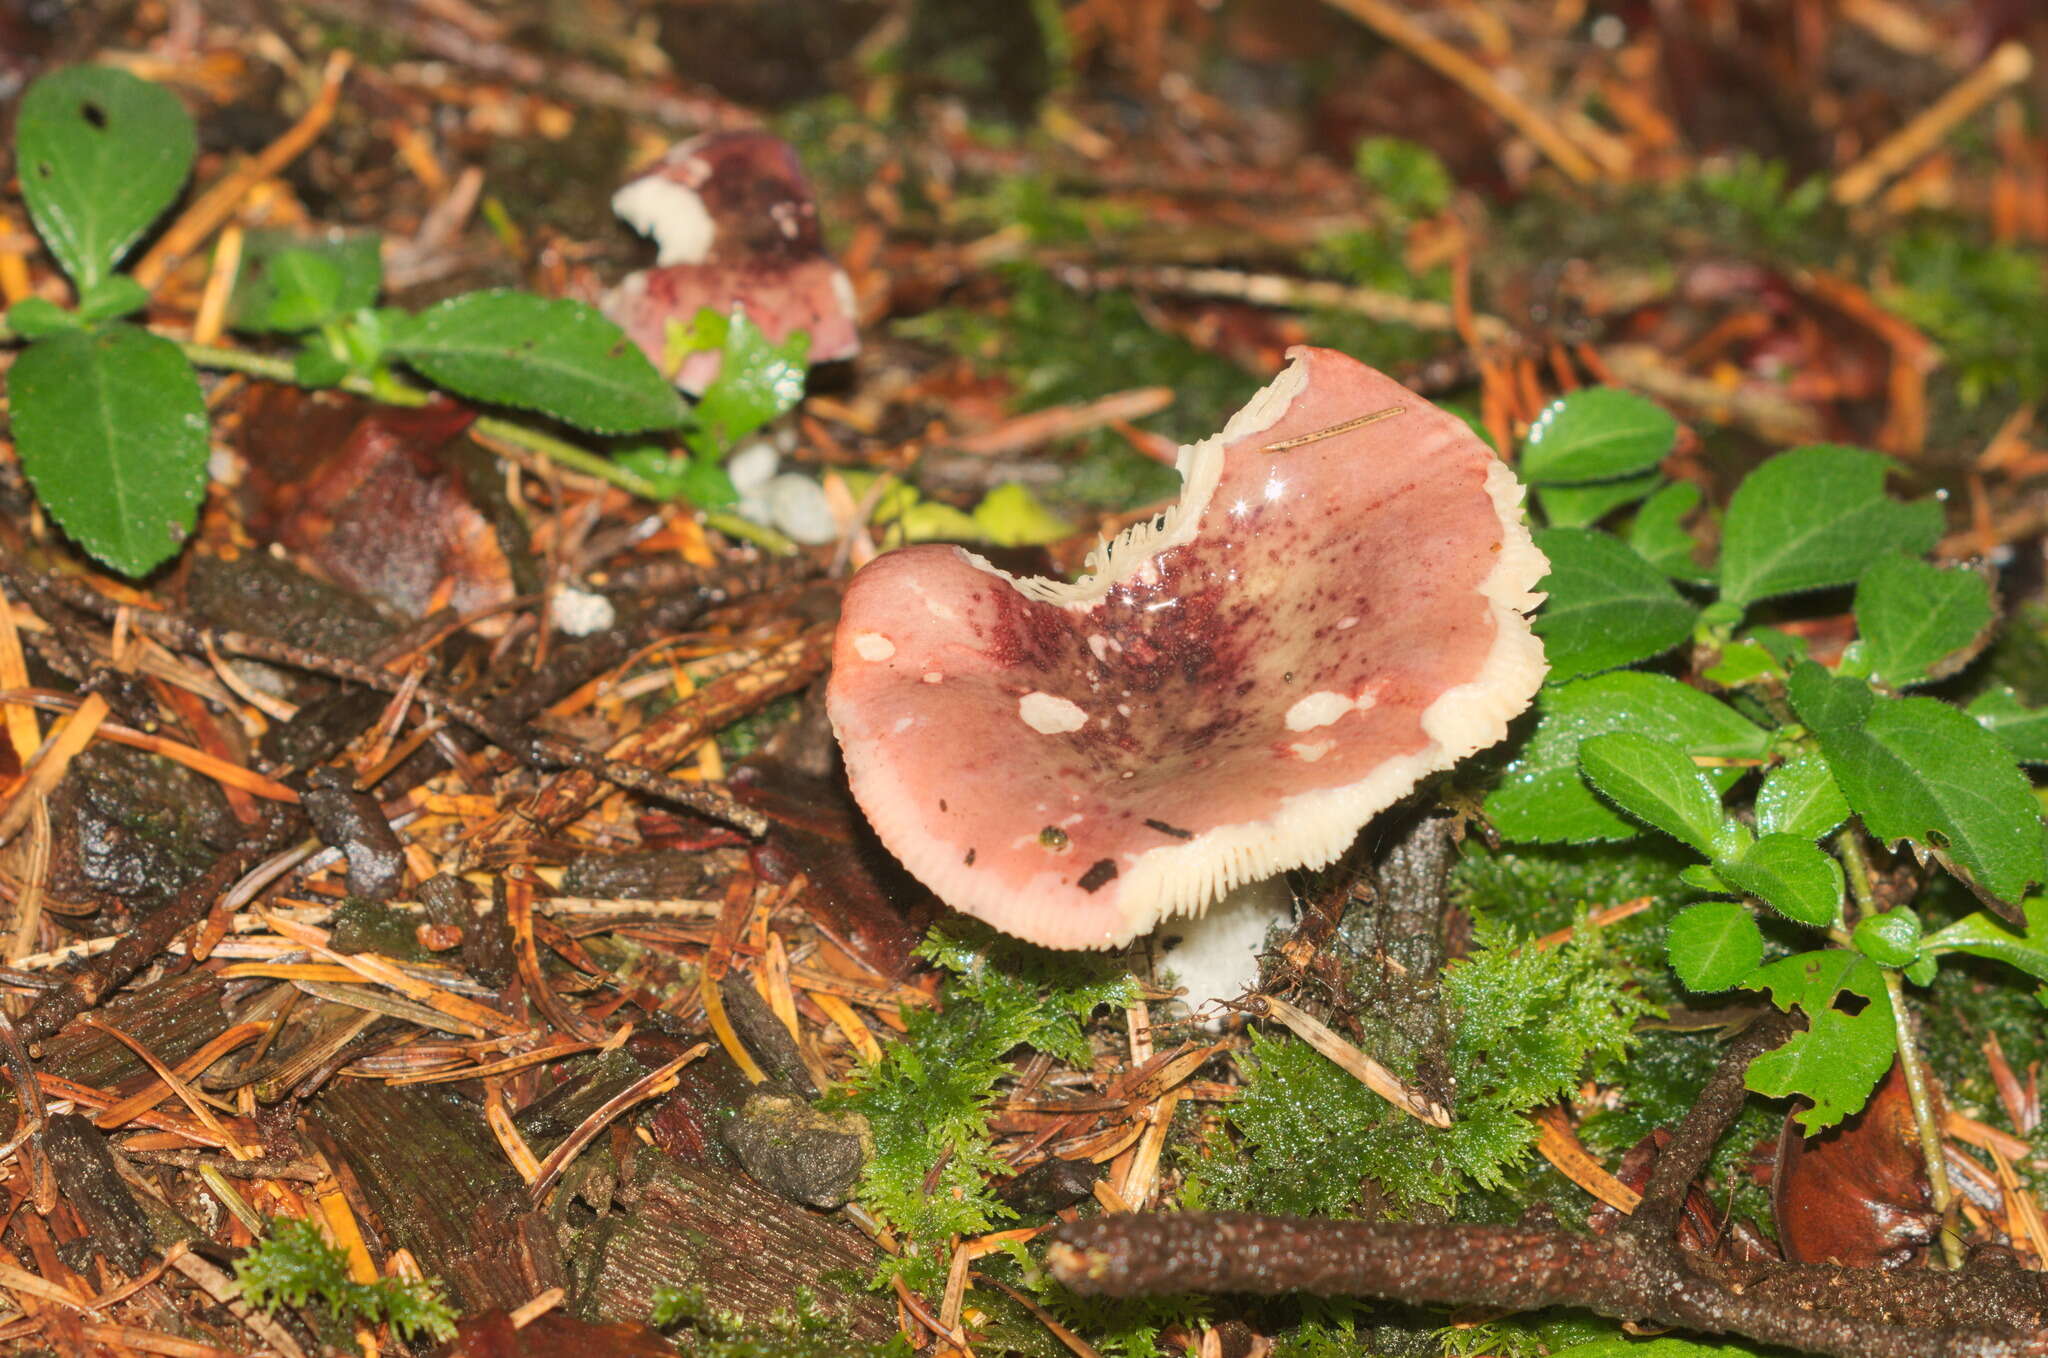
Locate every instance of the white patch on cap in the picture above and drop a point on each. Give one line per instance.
(1317, 709)
(934, 677)
(873, 646)
(1049, 715)
(1347, 622)
(657, 206)
(1098, 646)
(1308, 752)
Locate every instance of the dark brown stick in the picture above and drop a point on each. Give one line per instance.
(1701, 1129)
(1981, 1312)
(101, 976)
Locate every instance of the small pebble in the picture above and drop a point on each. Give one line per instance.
(579, 613)
(797, 505)
(753, 466)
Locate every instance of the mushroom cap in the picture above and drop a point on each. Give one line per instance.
(811, 295)
(736, 228)
(1236, 688)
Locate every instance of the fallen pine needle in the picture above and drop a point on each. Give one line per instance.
(1558, 1144)
(1369, 1072)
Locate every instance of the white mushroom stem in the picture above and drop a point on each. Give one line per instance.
(1215, 955)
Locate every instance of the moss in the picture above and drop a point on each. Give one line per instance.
(805, 1331)
(749, 734)
(1981, 303)
(1526, 1024)
(928, 1099)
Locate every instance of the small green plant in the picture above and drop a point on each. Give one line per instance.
(1981, 302)
(294, 1265)
(108, 417)
(1828, 759)
(1758, 191)
(928, 1099)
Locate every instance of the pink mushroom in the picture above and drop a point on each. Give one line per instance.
(1334, 609)
(735, 228)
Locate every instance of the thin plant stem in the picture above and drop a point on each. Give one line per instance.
(1918, 1090)
(395, 392)
(392, 391)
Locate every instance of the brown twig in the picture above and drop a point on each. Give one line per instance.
(98, 978)
(1396, 27)
(1988, 1311)
(2007, 66)
(213, 207)
(1701, 1129)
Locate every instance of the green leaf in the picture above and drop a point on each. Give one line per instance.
(1702, 877)
(1607, 607)
(1658, 532)
(1713, 945)
(1918, 769)
(1790, 875)
(1816, 517)
(100, 154)
(112, 430)
(1913, 617)
(905, 517)
(35, 317)
(290, 282)
(1891, 939)
(1584, 506)
(1541, 796)
(1984, 935)
(757, 382)
(1656, 782)
(1826, 701)
(552, 355)
(1740, 663)
(675, 476)
(1799, 798)
(1596, 434)
(115, 295)
(1848, 1044)
(317, 365)
(1011, 516)
(2023, 730)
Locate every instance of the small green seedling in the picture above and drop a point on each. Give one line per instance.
(1832, 756)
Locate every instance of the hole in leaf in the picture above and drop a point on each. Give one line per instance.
(93, 114)
(1850, 1003)
(1937, 839)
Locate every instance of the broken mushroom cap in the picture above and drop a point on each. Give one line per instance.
(735, 228)
(1334, 609)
